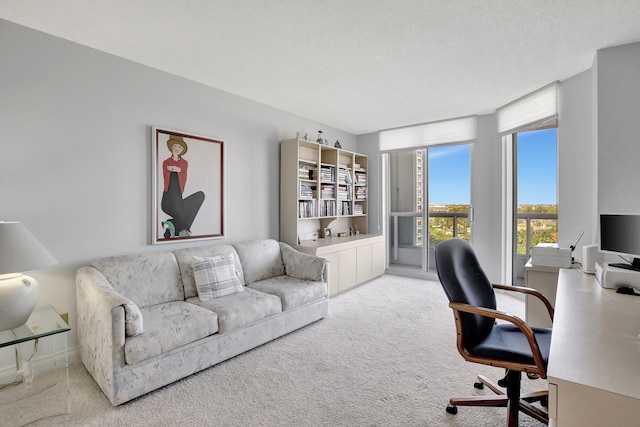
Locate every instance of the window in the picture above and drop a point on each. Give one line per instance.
(535, 192)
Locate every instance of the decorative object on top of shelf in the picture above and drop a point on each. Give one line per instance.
(187, 195)
(326, 141)
(337, 144)
(327, 233)
(19, 251)
(319, 139)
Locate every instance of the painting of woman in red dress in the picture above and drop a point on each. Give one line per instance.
(182, 210)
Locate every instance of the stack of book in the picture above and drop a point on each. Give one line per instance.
(327, 191)
(345, 208)
(361, 193)
(327, 208)
(343, 176)
(307, 209)
(306, 191)
(343, 192)
(361, 178)
(327, 174)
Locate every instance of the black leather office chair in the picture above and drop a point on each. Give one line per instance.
(512, 345)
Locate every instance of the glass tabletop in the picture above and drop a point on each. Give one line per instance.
(42, 322)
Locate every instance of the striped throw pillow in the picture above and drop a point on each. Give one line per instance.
(216, 277)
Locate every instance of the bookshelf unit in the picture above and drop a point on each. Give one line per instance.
(323, 187)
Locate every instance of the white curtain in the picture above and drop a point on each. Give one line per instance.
(462, 129)
(531, 109)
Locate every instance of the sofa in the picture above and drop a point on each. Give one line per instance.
(147, 320)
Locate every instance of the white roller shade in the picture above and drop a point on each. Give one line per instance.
(536, 107)
(442, 132)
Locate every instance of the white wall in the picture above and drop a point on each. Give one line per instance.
(368, 145)
(75, 129)
(576, 154)
(618, 129)
(486, 196)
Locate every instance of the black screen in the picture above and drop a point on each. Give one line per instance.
(620, 233)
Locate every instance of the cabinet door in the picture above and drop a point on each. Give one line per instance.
(347, 273)
(333, 272)
(378, 259)
(363, 263)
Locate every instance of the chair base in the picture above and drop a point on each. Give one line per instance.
(512, 399)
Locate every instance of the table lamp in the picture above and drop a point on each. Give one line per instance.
(19, 251)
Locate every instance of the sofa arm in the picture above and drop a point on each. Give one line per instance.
(101, 321)
(302, 266)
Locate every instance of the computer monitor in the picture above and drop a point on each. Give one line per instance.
(620, 235)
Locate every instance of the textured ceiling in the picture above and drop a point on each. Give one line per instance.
(357, 65)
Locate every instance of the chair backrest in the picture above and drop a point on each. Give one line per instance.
(464, 281)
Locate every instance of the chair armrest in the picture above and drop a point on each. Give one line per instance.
(302, 266)
(539, 367)
(529, 291)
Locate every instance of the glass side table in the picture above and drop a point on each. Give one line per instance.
(38, 387)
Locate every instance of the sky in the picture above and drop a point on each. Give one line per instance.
(449, 172)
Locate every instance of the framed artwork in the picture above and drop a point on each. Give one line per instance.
(188, 186)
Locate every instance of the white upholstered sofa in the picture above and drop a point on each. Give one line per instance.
(146, 320)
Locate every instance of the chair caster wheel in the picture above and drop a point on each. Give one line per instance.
(452, 409)
(478, 385)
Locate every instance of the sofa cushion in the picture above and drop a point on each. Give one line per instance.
(185, 259)
(146, 279)
(302, 266)
(169, 326)
(240, 309)
(216, 276)
(133, 322)
(293, 292)
(260, 259)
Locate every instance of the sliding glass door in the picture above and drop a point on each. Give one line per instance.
(429, 201)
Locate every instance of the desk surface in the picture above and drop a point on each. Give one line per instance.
(595, 338)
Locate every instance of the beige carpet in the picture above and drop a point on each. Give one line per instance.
(385, 356)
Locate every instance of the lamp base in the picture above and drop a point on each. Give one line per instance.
(18, 297)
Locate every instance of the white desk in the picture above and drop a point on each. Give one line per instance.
(594, 362)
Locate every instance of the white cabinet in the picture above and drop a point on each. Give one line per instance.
(545, 281)
(352, 260)
(324, 187)
(378, 259)
(363, 263)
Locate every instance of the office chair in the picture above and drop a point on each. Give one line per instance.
(511, 345)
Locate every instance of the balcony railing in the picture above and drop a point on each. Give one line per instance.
(539, 228)
(454, 230)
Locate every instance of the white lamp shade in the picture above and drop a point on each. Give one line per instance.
(19, 251)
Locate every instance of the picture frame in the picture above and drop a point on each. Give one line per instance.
(188, 186)
(327, 233)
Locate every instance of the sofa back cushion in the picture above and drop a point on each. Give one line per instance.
(186, 257)
(260, 259)
(146, 279)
